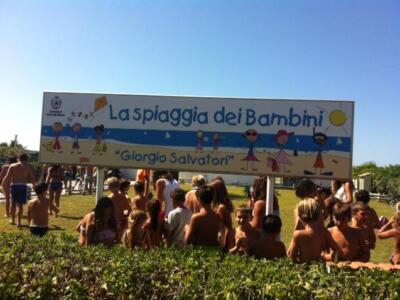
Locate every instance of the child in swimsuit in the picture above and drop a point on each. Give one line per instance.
(38, 208)
(136, 236)
(104, 229)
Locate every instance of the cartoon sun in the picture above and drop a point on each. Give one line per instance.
(337, 117)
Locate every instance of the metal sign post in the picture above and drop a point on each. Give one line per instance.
(269, 205)
(99, 183)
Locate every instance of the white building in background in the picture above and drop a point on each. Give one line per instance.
(229, 179)
(187, 177)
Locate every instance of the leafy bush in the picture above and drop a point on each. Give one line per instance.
(57, 267)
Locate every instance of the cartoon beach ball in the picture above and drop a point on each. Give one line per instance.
(337, 118)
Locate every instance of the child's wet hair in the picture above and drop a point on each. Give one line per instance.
(259, 188)
(138, 186)
(306, 188)
(205, 193)
(326, 191)
(308, 210)
(113, 182)
(271, 224)
(23, 157)
(124, 185)
(40, 188)
(358, 206)
(342, 211)
(178, 195)
(243, 208)
(362, 196)
(198, 180)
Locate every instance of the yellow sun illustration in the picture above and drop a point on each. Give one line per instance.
(337, 118)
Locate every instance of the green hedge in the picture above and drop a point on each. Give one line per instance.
(57, 267)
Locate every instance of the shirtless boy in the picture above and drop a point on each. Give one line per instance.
(350, 241)
(392, 230)
(139, 201)
(18, 175)
(38, 211)
(122, 206)
(191, 201)
(360, 221)
(269, 246)
(205, 225)
(245, 230)
(310, 243)
(6, 188)
(372, 217)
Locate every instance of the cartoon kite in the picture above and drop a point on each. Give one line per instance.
(100, 103)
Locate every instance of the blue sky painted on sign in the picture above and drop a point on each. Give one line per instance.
(266, 49)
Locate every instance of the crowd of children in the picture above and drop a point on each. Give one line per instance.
(327, 228)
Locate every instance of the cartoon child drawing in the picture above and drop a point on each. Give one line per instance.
(57, 129)
(252, 137)
(281, 139)
(200, 137)
(76, 128)
(216, 139)
(320, 140)
(100, 145)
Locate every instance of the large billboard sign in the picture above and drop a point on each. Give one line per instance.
(205, 134)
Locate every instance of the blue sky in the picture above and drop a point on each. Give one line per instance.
(267, 49)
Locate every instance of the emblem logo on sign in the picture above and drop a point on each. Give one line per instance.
(56, 102)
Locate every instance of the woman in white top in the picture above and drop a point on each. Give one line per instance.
(343, 190)
(165, 185)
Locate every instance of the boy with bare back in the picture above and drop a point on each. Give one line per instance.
(139, 201)
(269, 246)
(312, 242)
(18, 175)
(205, 225)
(392, 230)
(308, 189)
(122, 206)
(191, 201)
(38, 211)
(350, 241)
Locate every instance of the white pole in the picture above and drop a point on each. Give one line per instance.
(99, 183)
(269, 205)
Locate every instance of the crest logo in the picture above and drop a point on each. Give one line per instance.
(56, 103)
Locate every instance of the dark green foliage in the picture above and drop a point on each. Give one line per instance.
(57, 267)
(385, 180)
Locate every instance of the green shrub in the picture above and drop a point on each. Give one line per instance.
(57, 267)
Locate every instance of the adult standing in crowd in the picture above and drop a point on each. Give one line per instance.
(18, 176)
(6, 188)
